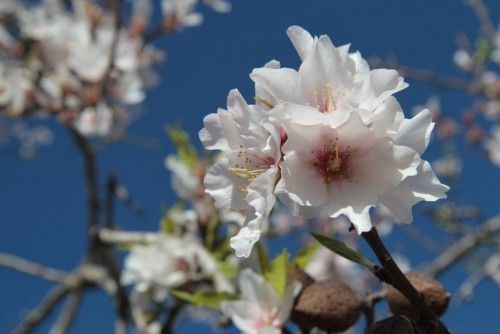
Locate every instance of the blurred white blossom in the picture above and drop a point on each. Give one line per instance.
(260, 309)
(492, 145)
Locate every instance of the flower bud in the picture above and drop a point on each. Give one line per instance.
(395, 324)
(435, 295)
(329, 305)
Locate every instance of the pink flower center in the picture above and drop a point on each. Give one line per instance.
(268, 319)
(325, 101)
(333, 162)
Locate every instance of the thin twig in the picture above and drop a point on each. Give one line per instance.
(97, 251)
(69, 312)
(461, 247)
(484, 18)
(34, 317)
(32, 268)
(115, 237)
(168, 326)
(369, 307)
(90, 173)
(439, 80)
(110, 199)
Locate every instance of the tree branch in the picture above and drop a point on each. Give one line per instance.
(67, 316)
(439, 80)
(484, 18)
(115, 237)
(92, 194)
(369, 307)
(461, 247)
(34, 317)
(399, 280)
(32, 268)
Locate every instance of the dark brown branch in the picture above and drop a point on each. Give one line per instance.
(399, 280)
(461, 247)
(168, 326)
(110, 199)
(92, 194)
(97, 251)
(369, 307)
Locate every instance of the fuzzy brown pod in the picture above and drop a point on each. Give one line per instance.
(329, 305)
(435, 294)
(395, 324)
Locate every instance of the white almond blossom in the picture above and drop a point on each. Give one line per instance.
(169, 262)
(329, 79)
(493, 146)
(448, 166)
(260, 310)
(328, 139)
(244, 177)
(182, 11)
(95, 121)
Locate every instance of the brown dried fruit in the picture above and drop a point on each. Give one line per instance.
(435, 295)
(328, 305)
(395, 324)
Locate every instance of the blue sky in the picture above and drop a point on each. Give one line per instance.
(42, 200)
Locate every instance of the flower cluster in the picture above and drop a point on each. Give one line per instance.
(327, 139)
(85, 63)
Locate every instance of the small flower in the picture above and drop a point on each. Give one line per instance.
(463, 60)
(329, 79)
(260, 309)
(244, 177)
(342, 168)
(493, 146)
(182, 12)
(448, 166)
(95, 121)
(169, 262)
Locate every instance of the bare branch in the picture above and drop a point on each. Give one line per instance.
(34, 317)
(484, 18)
(90, 170)
(369, 307)
(461, 247)
(68, 314)
(32, 268)
(439, 80)
(125, 237)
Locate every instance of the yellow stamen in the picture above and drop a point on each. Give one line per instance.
(265, 102)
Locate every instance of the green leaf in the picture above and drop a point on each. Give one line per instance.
(277, 274)
(185, 149)
(306, 254)
(229, 270)
(213, 223)
(263, 257)
(483, 51)
(338, 247)
(167, 224)
(210, 299)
